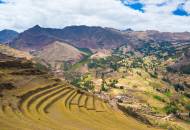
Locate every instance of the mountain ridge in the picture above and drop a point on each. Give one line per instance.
(7, 35)
(93, 37)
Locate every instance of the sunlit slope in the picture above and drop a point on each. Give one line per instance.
(37, 101)
(59, 107)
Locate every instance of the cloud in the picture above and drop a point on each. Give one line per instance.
(22, 14)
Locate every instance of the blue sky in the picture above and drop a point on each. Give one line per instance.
(139, 6)
(181, 11)
(161, 15)
(135, 4)
(1, 2)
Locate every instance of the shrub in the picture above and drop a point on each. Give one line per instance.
(113, 83)
(170, 69)
(154, 75)
(92, 65)
(168, 94)
(185, 69)
(187, 107)
(166, 80)
(41, 67)
(89, 85)
(7, 85)
(187, 94)
(169, 109)
(179, 87)
(104, 88)
(159, 98)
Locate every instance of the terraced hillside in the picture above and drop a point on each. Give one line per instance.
(33, 100)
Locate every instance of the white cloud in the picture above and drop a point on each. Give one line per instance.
(22, 14)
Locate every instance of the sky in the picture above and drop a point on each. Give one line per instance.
(161, 15)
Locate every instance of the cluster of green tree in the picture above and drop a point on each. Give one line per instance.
(160, 49)
(85, 82)
(109, 62)
(105, 86)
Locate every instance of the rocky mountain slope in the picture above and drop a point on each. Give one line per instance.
(57, 53)
(7, 35)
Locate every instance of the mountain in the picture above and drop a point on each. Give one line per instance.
(34, 38)
(159, 36)
(57, 52)
(78, 36)
(93, 37)
(7, 35)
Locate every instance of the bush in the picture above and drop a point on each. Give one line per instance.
(159, 98)
(166, 80)
(185, 69)
(41, 67)
(170, 69)
(179, 87)
(113, 83)
(187, 94)
(104, 87)
(168, 94)
(89, 85)
(7, 85)
(169, 109)
(154, 75)
(187, 107)
(92, 65)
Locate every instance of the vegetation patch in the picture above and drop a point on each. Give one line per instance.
(159, 98)
(170, 108)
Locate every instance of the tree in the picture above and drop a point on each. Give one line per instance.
(89, 85)
(113, 83)
(104, 86)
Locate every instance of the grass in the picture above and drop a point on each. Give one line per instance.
(159, 98)
(168, 94)
(85, 60)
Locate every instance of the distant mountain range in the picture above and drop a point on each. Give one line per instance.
(78, 36)
(7, 35)
(92, 37)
